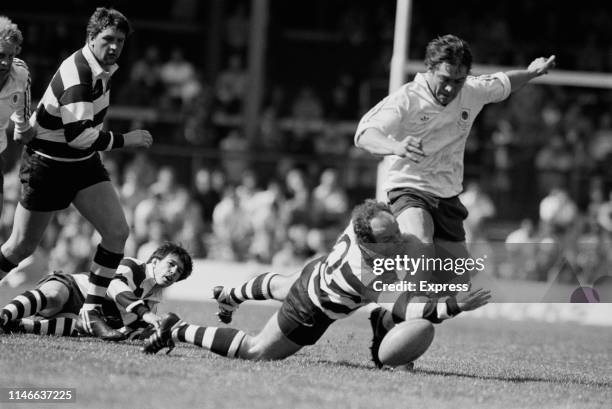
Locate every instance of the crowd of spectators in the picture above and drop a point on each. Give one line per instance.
(256, 199)
(282, 223)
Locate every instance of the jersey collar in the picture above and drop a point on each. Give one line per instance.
(96, 68)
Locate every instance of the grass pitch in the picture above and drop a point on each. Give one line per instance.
(471, 364)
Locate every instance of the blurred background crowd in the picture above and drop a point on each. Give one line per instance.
(537, 165)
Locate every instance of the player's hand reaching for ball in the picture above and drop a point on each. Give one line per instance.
(138, 138)
(469, 301)
(540, 66)
(411, 148)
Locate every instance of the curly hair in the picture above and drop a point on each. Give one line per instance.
(9, 32)
(171, 248)
(103, 18)
(363, 215)
(448, 49)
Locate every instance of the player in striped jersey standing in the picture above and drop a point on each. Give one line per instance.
(329, 288)
(14, 90)
(130, 304)
(62, 166)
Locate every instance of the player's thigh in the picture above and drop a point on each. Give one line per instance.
(57, 295)
(269, 344)
(28, 229)
(100, 205)
(416, 223)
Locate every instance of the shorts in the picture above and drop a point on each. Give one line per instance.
(298, 318)
(448, 214)
(48, 185)
(75, 296)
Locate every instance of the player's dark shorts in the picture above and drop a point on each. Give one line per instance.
(448, 214)
(299, 319)
(48, 185)
(75, 297)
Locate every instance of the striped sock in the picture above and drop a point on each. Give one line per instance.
(24, 305)
(102, 272)
(257, 288)
(62, 326)
(222, 341)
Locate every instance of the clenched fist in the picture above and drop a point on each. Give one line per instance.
(138, 138)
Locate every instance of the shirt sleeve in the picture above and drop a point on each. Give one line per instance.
(21, 116)
(386, 116)
(434, 309)
(77, 112)
(121, 291)
(491, 88)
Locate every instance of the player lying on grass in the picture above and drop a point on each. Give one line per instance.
(130, 304)
(329, 288)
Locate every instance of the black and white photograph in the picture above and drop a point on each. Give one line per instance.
(305, 204)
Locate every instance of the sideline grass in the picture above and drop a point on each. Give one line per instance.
(472, 363)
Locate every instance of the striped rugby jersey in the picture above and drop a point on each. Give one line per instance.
(15, 100)
(412, 110)
(341, 283)
(70, 115)
(132, 286)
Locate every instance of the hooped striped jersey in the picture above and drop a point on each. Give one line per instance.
(341, 283)
(70, 115)
(15, 100)
(413, 111)
(132, 286)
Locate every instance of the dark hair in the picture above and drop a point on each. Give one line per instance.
(172, 248)
(363, 215)
(103, 18)
(448, 49)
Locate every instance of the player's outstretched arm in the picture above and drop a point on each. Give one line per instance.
(410, 305)
(538, 67)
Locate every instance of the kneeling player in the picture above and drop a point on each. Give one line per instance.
(328, 288)
(130, 304)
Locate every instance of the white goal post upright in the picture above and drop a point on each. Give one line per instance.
(401, 37)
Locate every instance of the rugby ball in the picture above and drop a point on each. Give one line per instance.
(406, 342)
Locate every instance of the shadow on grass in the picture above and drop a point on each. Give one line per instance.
(513, 379)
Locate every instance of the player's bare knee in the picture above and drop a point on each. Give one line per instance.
(116, 235)
(56, 295)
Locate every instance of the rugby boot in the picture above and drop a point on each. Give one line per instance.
(226, 304)
(378, 333)
(91, 322)
(162, 338)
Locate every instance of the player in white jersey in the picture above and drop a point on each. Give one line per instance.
(423, 127)
(14, 90)
(328, 288)
(130, 304)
